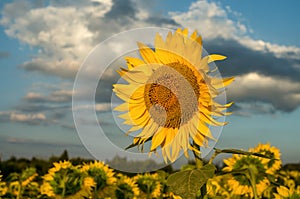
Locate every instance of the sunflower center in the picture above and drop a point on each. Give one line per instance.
(171, 95)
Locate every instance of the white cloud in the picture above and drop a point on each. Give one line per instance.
(58, 96)
(66, 32)
(19, 117)
(280, 51)
(29, 118)
(212, 21)
(61, 33)
(281, 93)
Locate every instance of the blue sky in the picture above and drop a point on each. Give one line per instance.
(43, 44)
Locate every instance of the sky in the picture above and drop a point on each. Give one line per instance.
(44, 43)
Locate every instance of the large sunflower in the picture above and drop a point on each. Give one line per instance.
(170, 94)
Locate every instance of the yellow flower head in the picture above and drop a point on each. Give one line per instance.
(29, 180)
(64, 179)
(149, 184)
(127, 188)
(46, 189)
(287, 193)
(101, 173)
(3, 188)
(240, 184)
(170, 94)
(273, 163)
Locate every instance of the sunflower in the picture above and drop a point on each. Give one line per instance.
(273, 163)
(149, 185)
(171, 94)
(240, 183)
(126, 188)
(286, 193)
(64, 181)
(218, 187)
(101, 173)
(102, 176)
(3, 187)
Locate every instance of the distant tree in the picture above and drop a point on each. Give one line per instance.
(64, 156)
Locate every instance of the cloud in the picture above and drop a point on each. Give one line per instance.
(59, 96)
(64, 32)
(31, 119)
(282, 94)
(213, 22)
(210, 19)
(243, 60)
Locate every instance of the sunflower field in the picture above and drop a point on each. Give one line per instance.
(247, 174)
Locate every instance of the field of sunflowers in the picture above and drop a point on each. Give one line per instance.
(243, 176)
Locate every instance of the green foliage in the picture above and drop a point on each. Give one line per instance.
(188, 182)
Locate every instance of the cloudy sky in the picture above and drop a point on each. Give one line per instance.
(44, 42)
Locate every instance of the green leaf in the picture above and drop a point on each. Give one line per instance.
(187, 167)
(186, 183)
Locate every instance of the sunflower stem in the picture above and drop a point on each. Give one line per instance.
(95, 193)
(253, 182)
(198, 160)
(64, 185)
(216, 153)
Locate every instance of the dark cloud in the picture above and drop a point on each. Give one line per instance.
(104, 88)
(159, 21)
(249, 109)
(242, 60)
(40, 107)
(122, 9)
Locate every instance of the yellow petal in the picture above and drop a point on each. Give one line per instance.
(149, 129)
(221, 83)
(133, 62)
(129, 90)
(203, 64)
(122, 107)
(159, 42)
(194, 35)
(158, 138)
(209, 120)
(168, 41)
(175, 147)
(185, 32)
(135, 76)
(283, 191)
(199, 139)
(147, 53)
(215, 57)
